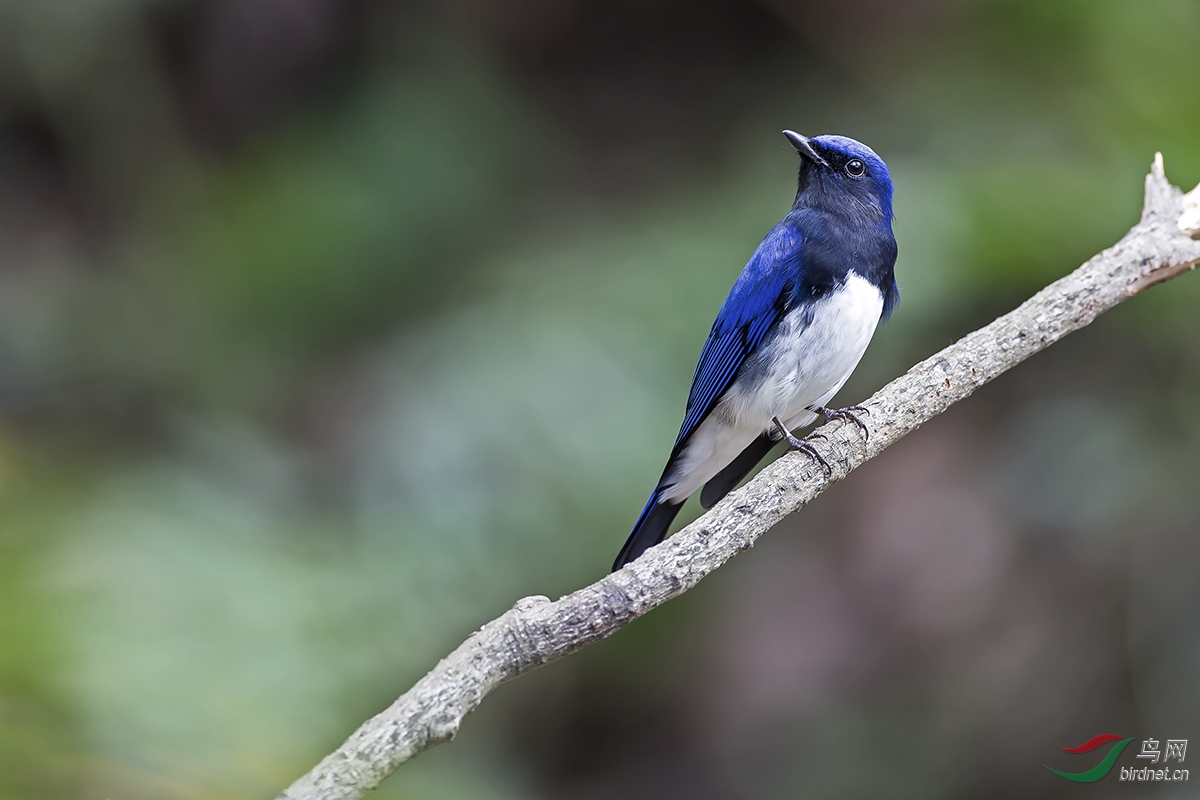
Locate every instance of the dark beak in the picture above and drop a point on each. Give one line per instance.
(804, 147)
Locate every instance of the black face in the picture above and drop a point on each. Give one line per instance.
(843, 176)
(845, 164)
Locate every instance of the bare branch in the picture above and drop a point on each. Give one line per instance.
(536, 631)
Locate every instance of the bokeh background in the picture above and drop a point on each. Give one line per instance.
(329, 328)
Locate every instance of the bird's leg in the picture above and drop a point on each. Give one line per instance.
(844, 413)
(802, 445)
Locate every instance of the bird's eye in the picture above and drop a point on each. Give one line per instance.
(855, 168)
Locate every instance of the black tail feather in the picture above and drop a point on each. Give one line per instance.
(650, 529)
(724, 481)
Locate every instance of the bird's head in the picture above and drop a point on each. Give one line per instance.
(841, 174)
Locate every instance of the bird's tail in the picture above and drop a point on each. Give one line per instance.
(723, 482)
(650, 528)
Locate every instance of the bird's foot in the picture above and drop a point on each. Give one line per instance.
(845, 413)
(803, 445)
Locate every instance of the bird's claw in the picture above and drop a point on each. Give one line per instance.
(803, 445)
(847, 413)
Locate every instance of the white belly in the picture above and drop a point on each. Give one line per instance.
(799, 367)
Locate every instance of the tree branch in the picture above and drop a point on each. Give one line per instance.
(536, 631)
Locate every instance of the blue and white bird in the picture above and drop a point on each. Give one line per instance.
(793, 328)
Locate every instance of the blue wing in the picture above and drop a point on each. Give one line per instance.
(760, 296)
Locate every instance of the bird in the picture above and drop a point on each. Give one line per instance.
(791, 331)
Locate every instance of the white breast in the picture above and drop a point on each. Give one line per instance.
(802, 365)
(805, 365)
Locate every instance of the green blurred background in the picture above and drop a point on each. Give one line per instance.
(329, 328)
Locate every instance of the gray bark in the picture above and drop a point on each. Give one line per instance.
(536, 631)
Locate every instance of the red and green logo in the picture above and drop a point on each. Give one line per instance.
(1100, 770)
